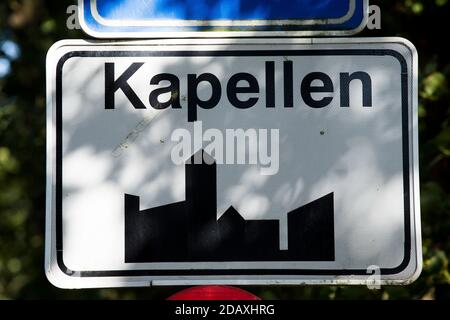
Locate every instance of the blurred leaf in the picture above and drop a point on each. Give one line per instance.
(443, 141)
(48, 26)
(434, 86)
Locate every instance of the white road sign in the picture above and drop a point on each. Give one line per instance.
(232, 162)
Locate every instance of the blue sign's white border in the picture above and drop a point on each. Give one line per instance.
(97, 24)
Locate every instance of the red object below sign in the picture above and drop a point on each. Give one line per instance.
(213, 293)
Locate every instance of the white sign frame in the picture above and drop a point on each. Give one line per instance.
(63, 278)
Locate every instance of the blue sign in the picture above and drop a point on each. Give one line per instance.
(181, 18)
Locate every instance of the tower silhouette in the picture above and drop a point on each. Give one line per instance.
(189, 231)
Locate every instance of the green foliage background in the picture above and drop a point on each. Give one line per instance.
(32, 26)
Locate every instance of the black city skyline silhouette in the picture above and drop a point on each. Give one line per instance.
(189, 231)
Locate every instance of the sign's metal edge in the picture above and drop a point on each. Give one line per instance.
(59, 279)
(219, 34)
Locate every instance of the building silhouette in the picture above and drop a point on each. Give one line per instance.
(189, 231)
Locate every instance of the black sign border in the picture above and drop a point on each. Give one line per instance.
(236, 53)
